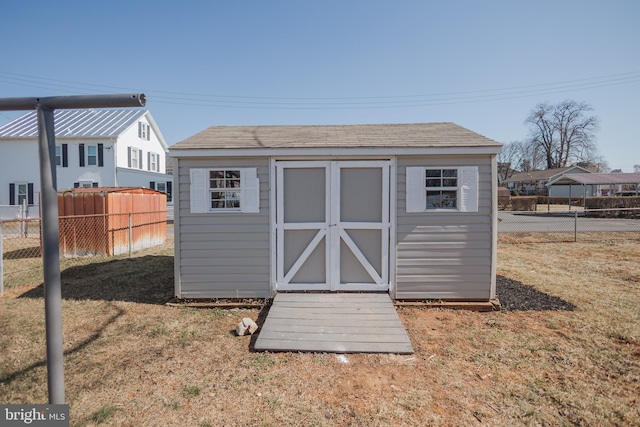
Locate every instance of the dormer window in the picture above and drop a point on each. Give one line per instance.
(144, 131)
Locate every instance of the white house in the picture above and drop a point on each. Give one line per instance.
(94, 148)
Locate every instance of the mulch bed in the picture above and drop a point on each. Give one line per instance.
(515, 296)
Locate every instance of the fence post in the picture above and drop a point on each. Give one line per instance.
(23, 218)
(575, 226)
(130, 234)
(1, 261)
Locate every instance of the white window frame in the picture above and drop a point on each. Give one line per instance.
(90, 156)
(467, 189)
(442, 188)
(58, 155)
(248, 194)
(144, 131)
(161, 186)
(232, 196)
(153, 162)
(135, 158)
(18, 194)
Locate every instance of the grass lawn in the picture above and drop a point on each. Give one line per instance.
(130, 360)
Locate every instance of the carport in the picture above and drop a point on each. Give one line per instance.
(593, 179)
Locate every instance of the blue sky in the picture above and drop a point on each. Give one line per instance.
(482, 64)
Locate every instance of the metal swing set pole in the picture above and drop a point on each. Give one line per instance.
(49, 208)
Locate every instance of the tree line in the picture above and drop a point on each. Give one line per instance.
(560, 135)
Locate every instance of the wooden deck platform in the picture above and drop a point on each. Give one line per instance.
(333, 323)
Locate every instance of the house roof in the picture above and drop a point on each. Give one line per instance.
(542, 175)
(84, 123)
(417, 135)
(596, 178)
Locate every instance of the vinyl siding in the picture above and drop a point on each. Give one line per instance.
(444, 255)
(223, 255)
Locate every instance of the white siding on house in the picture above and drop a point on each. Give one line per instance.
(222, 254)
(104, 175)
(19, 162)
(130, 138)
(14, 160)
(132, 178)
(110, 131)
(444, 255)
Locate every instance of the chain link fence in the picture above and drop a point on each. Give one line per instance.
(84, 239)
(96, 238)
(569, 225)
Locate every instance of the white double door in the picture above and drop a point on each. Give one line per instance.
(332, 225)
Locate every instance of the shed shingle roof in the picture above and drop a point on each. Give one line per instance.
(417, 135)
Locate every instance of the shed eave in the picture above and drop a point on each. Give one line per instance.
(334, 151)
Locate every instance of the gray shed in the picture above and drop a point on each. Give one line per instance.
(408, 209)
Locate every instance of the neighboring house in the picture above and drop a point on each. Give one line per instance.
(408, 209)
(534, 183)
(94, 148)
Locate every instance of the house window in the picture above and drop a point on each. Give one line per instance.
(144, 131)
(89, 155)
(92, 155)
(85, 184)
(62, 157)
(441, 188)
(21, 192)
(153, 162)
(224, 189)
(163, 187)
(134, 158)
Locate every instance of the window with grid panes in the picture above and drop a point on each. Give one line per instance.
(442, 188)
(92, 155)
(224, 189)
(58, 155)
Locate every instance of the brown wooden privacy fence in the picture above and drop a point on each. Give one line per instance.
(94, 225)
(110, 221)
(111, 234)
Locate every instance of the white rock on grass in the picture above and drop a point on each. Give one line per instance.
(246, 326)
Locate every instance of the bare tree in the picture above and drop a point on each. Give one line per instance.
(533, 157)
(509, 160)
(519, 156)
(563, 133)
(598, 164)
(636, 168)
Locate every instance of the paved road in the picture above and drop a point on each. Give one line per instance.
(537, 223)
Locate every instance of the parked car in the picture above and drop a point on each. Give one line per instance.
(626, 194)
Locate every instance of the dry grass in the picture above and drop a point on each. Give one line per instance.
(131, 361)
